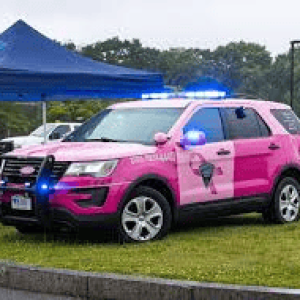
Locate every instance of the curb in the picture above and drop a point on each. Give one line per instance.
(86, 286)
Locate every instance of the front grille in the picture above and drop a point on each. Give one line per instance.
(59, 169)
(13, 165)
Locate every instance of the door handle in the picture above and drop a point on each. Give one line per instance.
(223, 152)
(274, 146)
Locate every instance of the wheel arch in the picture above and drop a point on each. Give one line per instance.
(290, 170)
(158, 183)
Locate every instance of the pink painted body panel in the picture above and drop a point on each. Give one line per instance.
(256, 166)
(192, 186)
(92, 151)
(127, 171)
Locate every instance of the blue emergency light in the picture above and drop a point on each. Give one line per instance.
(43, 186)
(205, 94)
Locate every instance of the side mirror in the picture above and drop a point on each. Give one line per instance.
(55, 136)
(160, 138)
(192, 138)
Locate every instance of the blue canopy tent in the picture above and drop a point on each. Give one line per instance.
(35, 68)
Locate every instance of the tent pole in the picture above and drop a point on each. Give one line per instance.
(44, 119)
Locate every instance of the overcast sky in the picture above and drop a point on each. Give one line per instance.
(161, 23)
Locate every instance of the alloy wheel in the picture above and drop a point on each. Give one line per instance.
(289, 203)
(142, 218)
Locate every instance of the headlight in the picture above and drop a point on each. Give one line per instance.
(96, 169)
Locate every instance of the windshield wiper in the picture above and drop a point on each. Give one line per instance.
(103, 139)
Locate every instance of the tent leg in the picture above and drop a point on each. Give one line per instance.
(44, 119)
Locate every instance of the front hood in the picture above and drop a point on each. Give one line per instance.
(24, 140)
(87, 151)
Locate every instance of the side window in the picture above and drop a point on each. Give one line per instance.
(250, 126)
(59, 132)
(288, 119)
(207, 120)
(264, 129)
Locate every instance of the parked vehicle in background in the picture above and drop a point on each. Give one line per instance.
(6, 147)
(54, 131)
(140, 166)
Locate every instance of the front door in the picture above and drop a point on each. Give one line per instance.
(206, 172)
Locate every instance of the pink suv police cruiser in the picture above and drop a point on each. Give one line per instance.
(141, 165)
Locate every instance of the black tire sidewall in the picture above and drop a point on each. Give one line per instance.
(276, 204)
(161, 201)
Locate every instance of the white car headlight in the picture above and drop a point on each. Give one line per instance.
(95, 169)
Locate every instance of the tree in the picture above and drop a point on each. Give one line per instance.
(181, 66)
(124, 53)
(74, 111)
(241, 66)
(17, 118)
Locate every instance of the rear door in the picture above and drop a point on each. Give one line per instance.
(206, 172)
(258, 154)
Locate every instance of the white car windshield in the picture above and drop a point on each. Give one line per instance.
(137, 125)
(39, 132)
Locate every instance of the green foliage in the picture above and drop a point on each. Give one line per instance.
(241, 66)
(17, 118)
(74, 111)
(181, 66)
(124, 53)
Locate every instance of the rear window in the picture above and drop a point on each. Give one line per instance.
(250, 126)
(288, 119)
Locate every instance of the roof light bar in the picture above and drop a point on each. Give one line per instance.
(206, 94)
(157, 96)
(209, 94)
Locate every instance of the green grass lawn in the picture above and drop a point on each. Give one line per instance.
(240, 250)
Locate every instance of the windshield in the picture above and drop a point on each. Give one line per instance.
(136, 125)
(39, 132)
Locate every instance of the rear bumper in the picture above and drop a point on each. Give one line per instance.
(60, 217)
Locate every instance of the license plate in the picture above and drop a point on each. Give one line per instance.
(21, 202)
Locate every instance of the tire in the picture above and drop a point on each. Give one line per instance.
(145, 216)
(29, 229)
(285, 207)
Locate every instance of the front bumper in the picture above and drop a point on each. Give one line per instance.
(93, 207)
(71, 201)
(60, 217)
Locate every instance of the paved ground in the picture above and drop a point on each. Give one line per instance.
(22, 283)
(7, 294)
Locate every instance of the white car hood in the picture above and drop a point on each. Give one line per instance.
(24, 140)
